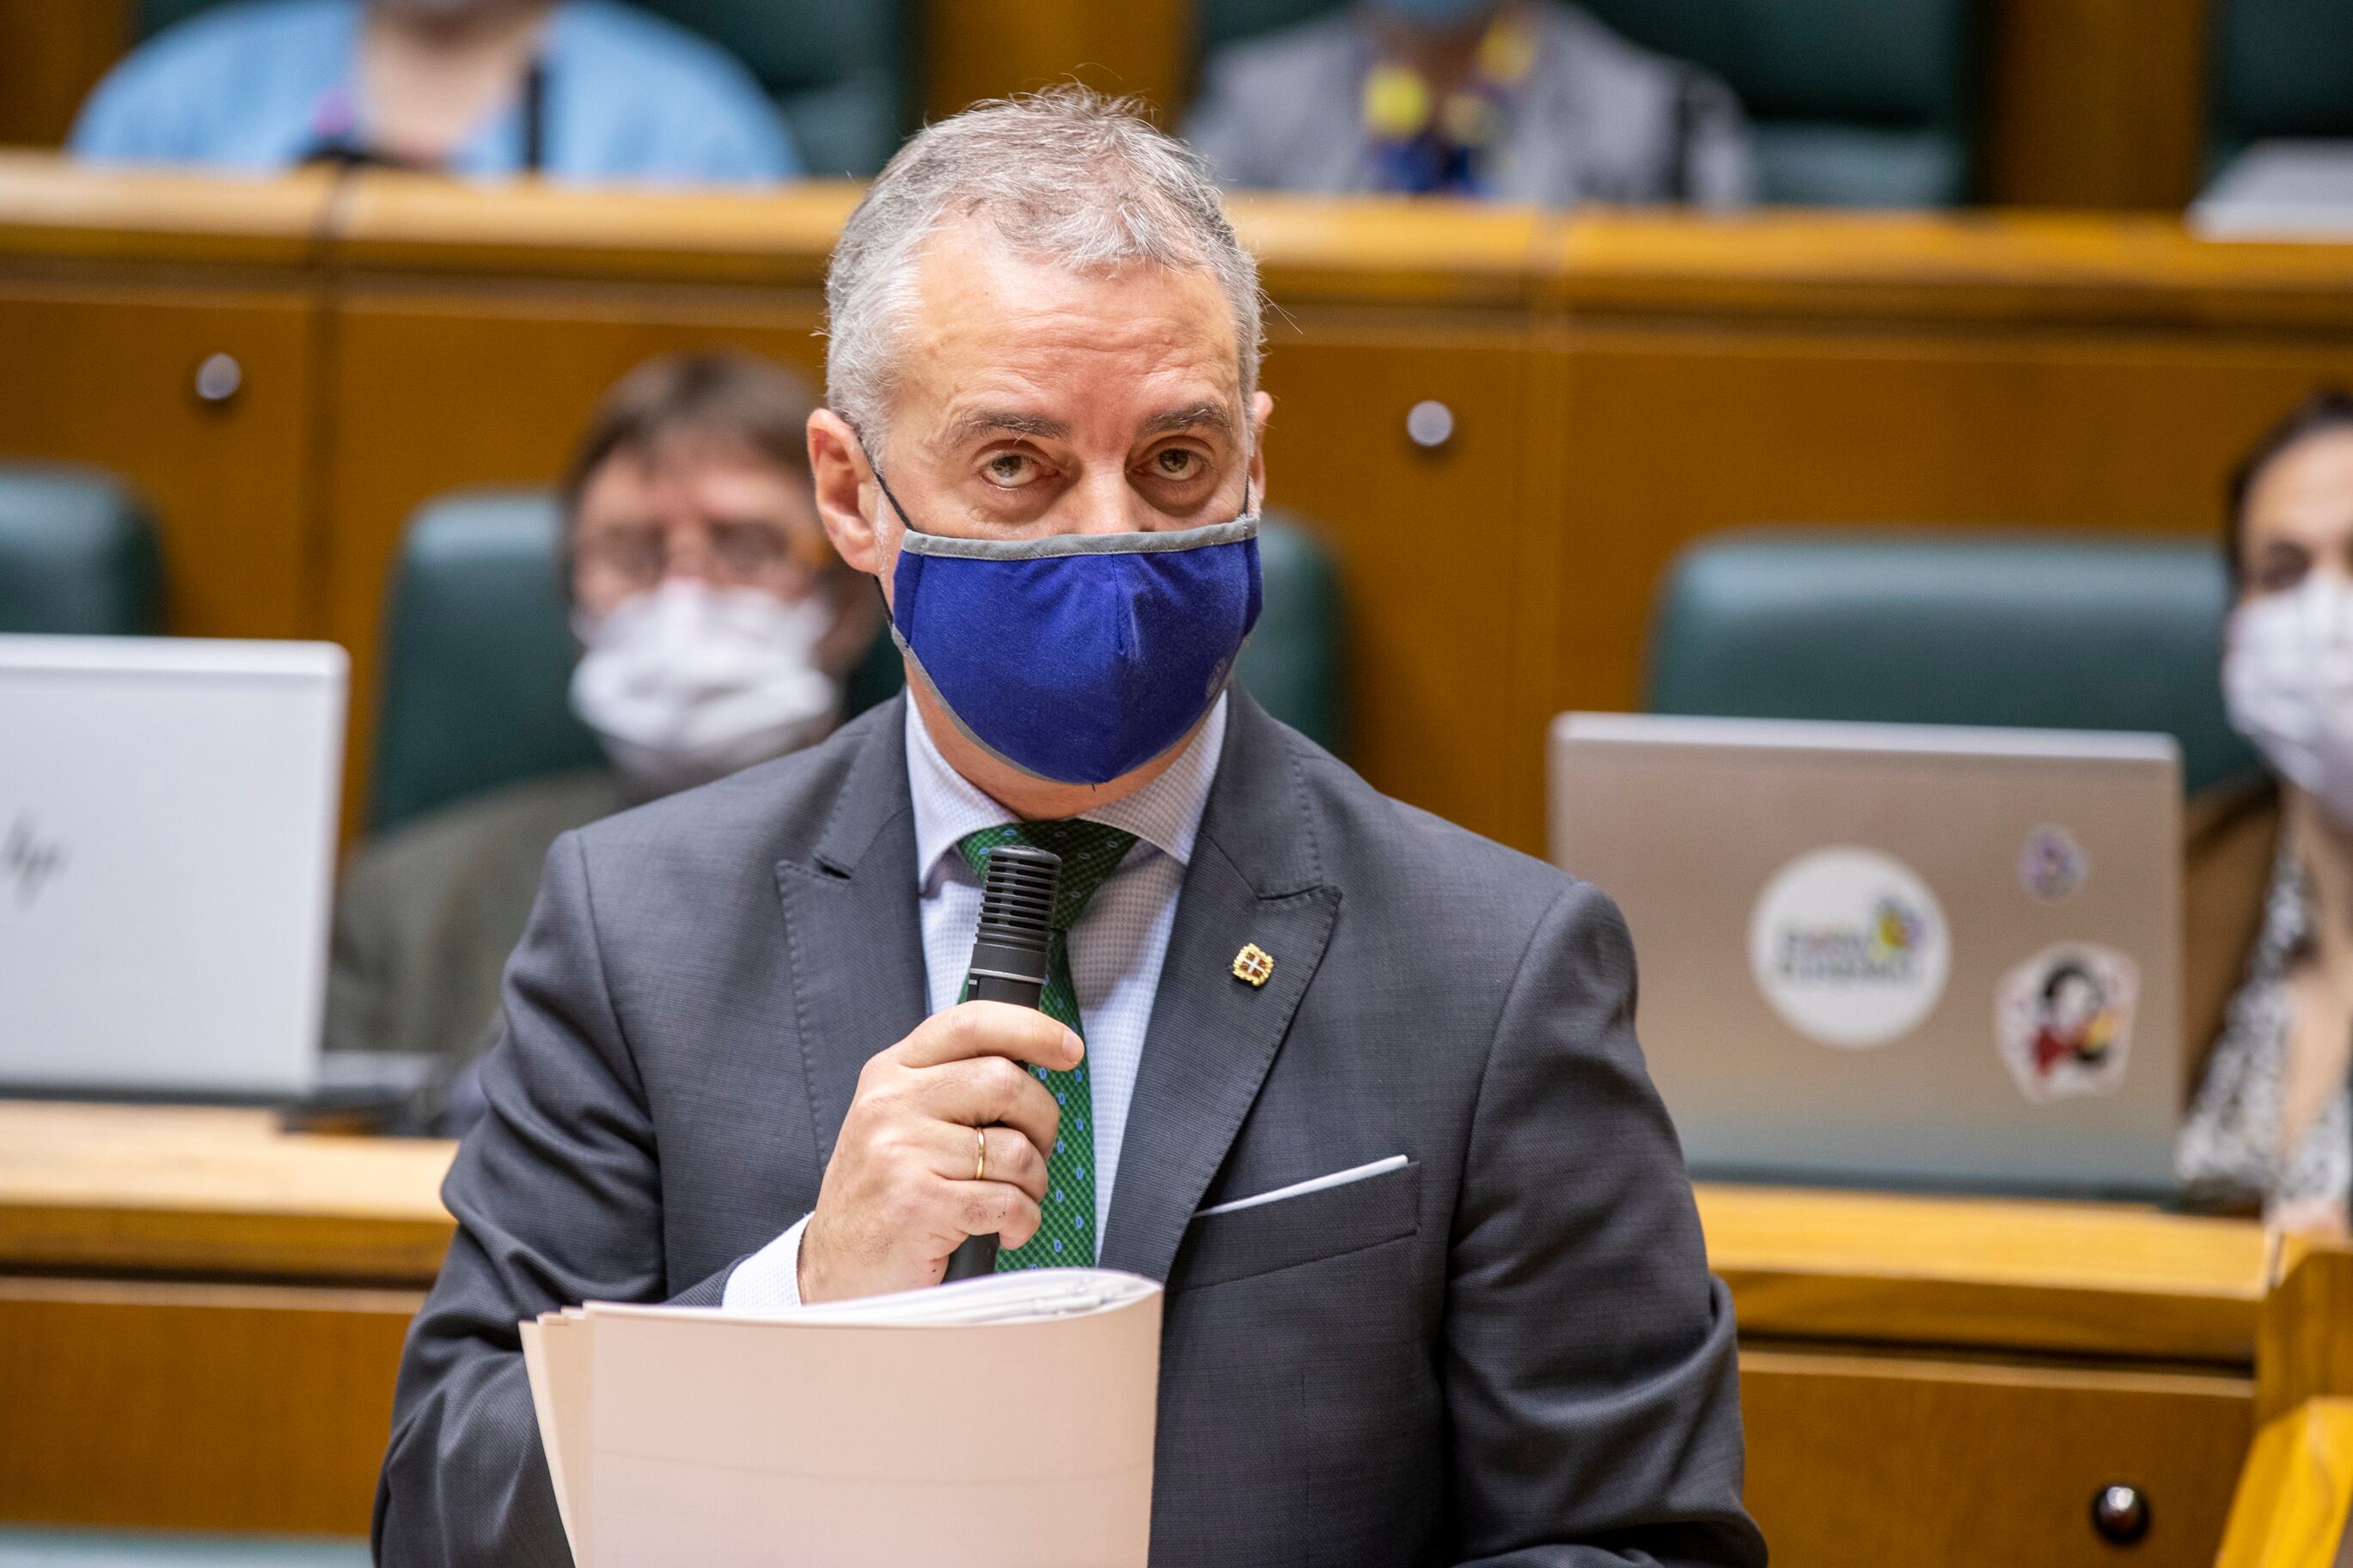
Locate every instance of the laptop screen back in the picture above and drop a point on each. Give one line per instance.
(167, 833)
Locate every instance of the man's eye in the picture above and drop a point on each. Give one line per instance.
(1177, 463)
(1010, 471)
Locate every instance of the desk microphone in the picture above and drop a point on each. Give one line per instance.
(1008, 965)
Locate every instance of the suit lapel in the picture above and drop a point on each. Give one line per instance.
(853, 925)
(1255, 877)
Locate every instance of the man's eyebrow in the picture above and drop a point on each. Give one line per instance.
(1002, 422)
(1193, 416)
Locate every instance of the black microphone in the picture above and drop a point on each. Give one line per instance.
(1008, 965)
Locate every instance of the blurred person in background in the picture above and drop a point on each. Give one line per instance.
(2271, 1124)
(716, 628)
(1518, 100)
(575, 89)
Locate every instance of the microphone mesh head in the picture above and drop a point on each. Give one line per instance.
(1017, 898)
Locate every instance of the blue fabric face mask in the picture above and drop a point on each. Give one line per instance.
(1078, 658)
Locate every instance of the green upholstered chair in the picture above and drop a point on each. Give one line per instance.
(1856, 102)
(78, 555)
(2059, 632)
(24, 1547)
(2281, 68)
(479, 652)
(842, 75)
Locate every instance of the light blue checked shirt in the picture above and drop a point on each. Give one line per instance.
(1116, 948)
(256, 86)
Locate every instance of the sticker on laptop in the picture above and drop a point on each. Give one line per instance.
(1850, 947)
(2052, 864)
(2064, 1020)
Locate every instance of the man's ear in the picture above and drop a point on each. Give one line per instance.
(1261, 408)
(847, 497)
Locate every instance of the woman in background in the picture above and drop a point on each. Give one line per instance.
(2272, 1123)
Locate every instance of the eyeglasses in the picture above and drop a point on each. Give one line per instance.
(733, 554)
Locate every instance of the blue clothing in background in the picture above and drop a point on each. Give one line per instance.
(259, 86)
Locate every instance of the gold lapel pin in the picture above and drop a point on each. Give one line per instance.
(1253, 965)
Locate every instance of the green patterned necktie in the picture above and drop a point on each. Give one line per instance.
(1089, 853)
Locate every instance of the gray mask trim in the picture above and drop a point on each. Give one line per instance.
(1240, 529)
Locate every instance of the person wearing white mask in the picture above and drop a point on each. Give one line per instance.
(716, 631)
(2271, 1124)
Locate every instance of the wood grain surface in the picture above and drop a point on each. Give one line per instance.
(190, 1406)
(2043, 1277)
(227, 1195)
(51, 55)
(214, 1194)
(2295, 1492)
(1860, 1461)
(2065, 1309)
(2096, 103)
(2304, 1348)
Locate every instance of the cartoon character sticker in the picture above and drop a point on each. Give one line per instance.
(2052, 865)
(2063, 1021)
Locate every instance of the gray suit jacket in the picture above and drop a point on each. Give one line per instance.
(1508, 1352)
(1598, 120)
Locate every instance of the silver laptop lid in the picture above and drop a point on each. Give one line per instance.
(167, 834)
(1926, 956)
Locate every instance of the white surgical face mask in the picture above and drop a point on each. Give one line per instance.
(686, 683)
(2288, 679)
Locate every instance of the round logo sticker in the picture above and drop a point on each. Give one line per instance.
(1850, 947)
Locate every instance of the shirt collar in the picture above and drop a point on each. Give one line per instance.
(1165, 813)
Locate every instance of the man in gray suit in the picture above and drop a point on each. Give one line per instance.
(736, 1073)
(1517, 101)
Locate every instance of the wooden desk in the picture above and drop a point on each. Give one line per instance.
(200, 1315)
(1940, 1380)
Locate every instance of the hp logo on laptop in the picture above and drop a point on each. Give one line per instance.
(28, 861)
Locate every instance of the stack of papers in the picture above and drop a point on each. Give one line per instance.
(996, 1423)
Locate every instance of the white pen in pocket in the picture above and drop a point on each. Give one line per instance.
(1316, 1184)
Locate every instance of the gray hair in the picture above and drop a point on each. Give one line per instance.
(1066, 176)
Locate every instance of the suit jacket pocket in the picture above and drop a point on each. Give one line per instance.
(1308, 1228)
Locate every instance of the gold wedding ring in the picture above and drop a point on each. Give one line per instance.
(980, 1153)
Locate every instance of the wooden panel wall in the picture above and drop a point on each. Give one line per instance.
(52, 52)
(1860, 1460)
(2096, 103)
(987, 48)
(195, 1407)
(1678, 433)
(106, 374)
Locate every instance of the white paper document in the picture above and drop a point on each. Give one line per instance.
(998, 1423)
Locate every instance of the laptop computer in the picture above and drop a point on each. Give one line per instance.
(1894, 955)
(167, 836)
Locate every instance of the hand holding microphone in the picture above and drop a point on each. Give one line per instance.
(946, 1139)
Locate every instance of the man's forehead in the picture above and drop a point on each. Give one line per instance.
(997, 335)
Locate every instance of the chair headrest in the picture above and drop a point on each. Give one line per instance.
(2111, 633)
